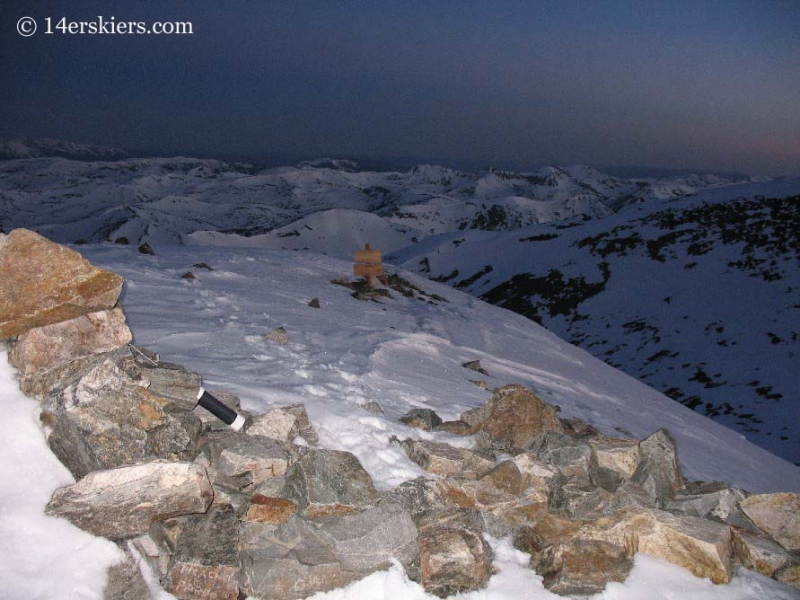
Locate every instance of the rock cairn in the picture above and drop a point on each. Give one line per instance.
(266, 512)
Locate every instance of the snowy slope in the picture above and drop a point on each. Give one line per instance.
(401, 353)
(698, 297)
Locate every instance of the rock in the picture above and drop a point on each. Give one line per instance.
(44, 348)
(759, 553)
(372, 407)
(213, 423)
(268, 509)
(329, 482)
(284, 424)
(776, 514)
(578, 502)
(507, 477)
(122, 503)
(475, 365)
(512, 418)
(616, 454)
(419, 495)
(579, 429)
(583, 567)
(314, 303)
(205, 563)
(446, 460)
(244, 461)
(454, 427)
(454, 557)
(189, 276)
(571, 456)
(481, 383)
(299, 558)
(107, 420)
(46, 283)
(701, 546)
(548, 530)
(710, 500)
(790, 575)
(421, 418)
(125, 582)
(173, 382)
(485, 496)
(146, 249)
(658, 471)
(279, 336)
(537, 476)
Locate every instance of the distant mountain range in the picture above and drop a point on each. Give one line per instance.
(26, 148)
(689, 283)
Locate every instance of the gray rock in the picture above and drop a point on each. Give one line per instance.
(285, 424)
(583, 567)
(454, 557)
(106, 420)
(710, 500)
(125, 582)
(372, 407)
(329, 482)
(658, 471)
(122, 503)
(173, 382)
(776, 514)
(578, 502)
(759, 553)
(325, 554)
(475, 365)
(419, 495)
(571, 456)
(279, 336)
(205, 563)
(244, 461)
(421, 418)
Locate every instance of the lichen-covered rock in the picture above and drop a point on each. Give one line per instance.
(776, 514)
(43, 349)
(421, 418)
(205, 563)
(45, 283)
(269, 509)
(582, 567)
(454, 557)
(122, 503)
(329, 482)
(512, 418)
(285, 424)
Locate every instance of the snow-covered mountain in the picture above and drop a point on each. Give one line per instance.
(698, 302)
(697, 297)
(27, 148)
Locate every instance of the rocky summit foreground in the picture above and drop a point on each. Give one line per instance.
(268, 513)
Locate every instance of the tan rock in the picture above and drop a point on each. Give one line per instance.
(758, 553)
(52, 346)
(45, 283)
(582, 567)
(789, 575)
(446, 460)
(616, 454)
(776, 514)
(266, 509)
(701, 546)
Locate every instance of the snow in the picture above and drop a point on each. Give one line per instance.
(400, 353)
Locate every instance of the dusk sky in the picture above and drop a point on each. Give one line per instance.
(686, 85)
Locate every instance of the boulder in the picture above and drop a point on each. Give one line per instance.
(507, 477)
(454, 557)
(205, 563)
(106, 420)
(512, 418)
(658, 472)
(571, 456)
(244, 461)
(616, 454)
(42, 349)
(711, 500)
(175, 383)
(46, 283)
(329, 482)
(421, 418)
(284, 424)
(300, 557)
(546, 531)
(122, 503)
(125, 581)
(776, 514)
(537, 476)
(582, 567)
(701, 546)
(446, 460)
(419, 495)
(759, 553)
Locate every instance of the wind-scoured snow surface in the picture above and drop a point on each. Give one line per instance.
(401, 353)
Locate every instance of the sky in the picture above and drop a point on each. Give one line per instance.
(697, 84)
